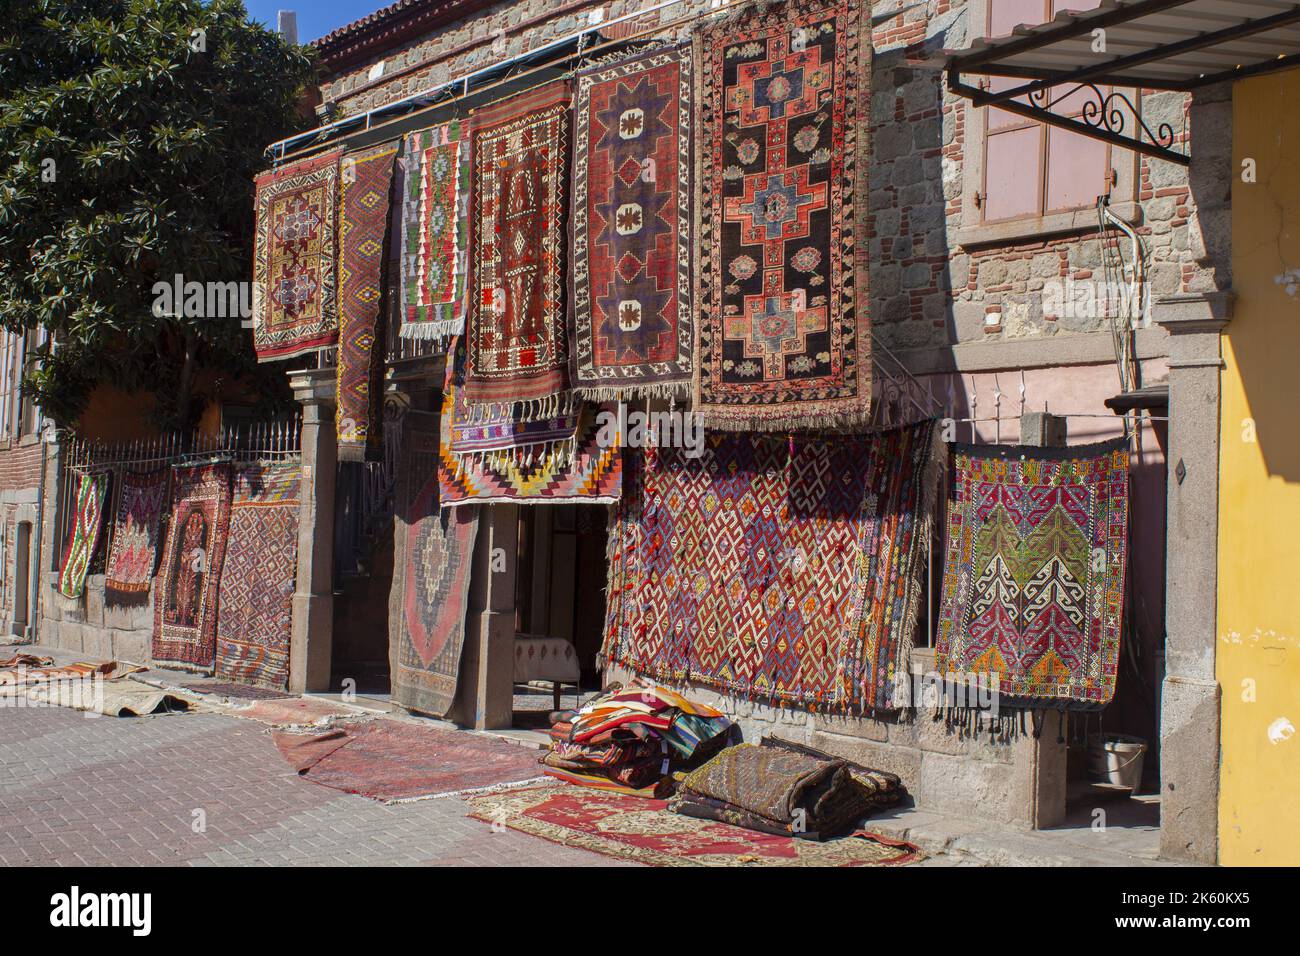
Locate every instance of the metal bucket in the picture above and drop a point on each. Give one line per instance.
(1117, 759)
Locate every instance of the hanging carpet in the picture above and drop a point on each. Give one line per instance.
(295, 258)
(87, 520)
(547, 461)
(431, 577)
(365, 182)
(783, 338)
(134, 548)
(633, 148)
(517, 338)
(255, 615)
(1033, 584)
(185, 605)
(435, 231)
(776, 569)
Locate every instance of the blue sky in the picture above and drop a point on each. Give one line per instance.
(315, 17)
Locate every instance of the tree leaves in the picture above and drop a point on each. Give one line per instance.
(128, 158)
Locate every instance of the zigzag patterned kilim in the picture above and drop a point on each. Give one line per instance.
(777, 569)
(1033, 585)
(585, 469)
(86, 521)
(256, 594)
(366, 179)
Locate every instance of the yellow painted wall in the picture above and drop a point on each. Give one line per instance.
(1259, 493)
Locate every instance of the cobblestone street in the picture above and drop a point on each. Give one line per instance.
(109, 791)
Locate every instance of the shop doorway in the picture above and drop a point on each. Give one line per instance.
(559, 608)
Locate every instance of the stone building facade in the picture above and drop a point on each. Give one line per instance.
(22, 459)
(967, 305)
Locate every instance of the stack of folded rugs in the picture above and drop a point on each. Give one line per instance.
(785, 788)
(632, 739)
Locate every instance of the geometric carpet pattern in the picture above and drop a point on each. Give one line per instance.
(256, 597)
(1033, 585)
(775, 569)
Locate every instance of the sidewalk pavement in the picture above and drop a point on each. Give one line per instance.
(207, 789)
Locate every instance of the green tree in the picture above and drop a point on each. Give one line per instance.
(130, 132)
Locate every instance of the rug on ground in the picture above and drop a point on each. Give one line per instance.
(256, 593)
(773, 568)
(632, 154)
(365, 182)
(588, 467)
(87, 520)
(783, 338)
(634, 828)
(435, 231)
(394, 761)
(134, 548)
(517, 328)
(185, 603)
(1033, 584)
(430, 590)
(294, 258)
(110, 697)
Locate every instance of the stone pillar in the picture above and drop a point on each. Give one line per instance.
(1189, 696)
(45, 607)
(1043, 759)
(312, 635)
(486, 696)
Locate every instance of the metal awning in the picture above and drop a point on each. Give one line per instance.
(1148, 44)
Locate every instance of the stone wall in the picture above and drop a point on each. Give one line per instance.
(86, 625)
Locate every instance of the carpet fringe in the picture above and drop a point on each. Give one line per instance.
(631, 391)
(471, 791)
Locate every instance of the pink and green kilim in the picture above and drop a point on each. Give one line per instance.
(1033, 585)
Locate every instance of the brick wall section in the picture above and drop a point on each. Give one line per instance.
(20, 467)
(20, 479)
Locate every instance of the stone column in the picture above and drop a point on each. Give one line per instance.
(1043, 759)
(486, 696)
(1189, 696)
(312, 634)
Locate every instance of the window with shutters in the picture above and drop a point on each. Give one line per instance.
(1023, 177)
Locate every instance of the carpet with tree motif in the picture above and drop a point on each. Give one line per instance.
(1033, 584)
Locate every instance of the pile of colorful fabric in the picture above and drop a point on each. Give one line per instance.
(785, 788)
(632, 739)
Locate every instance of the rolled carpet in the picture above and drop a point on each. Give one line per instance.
(784, 788)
